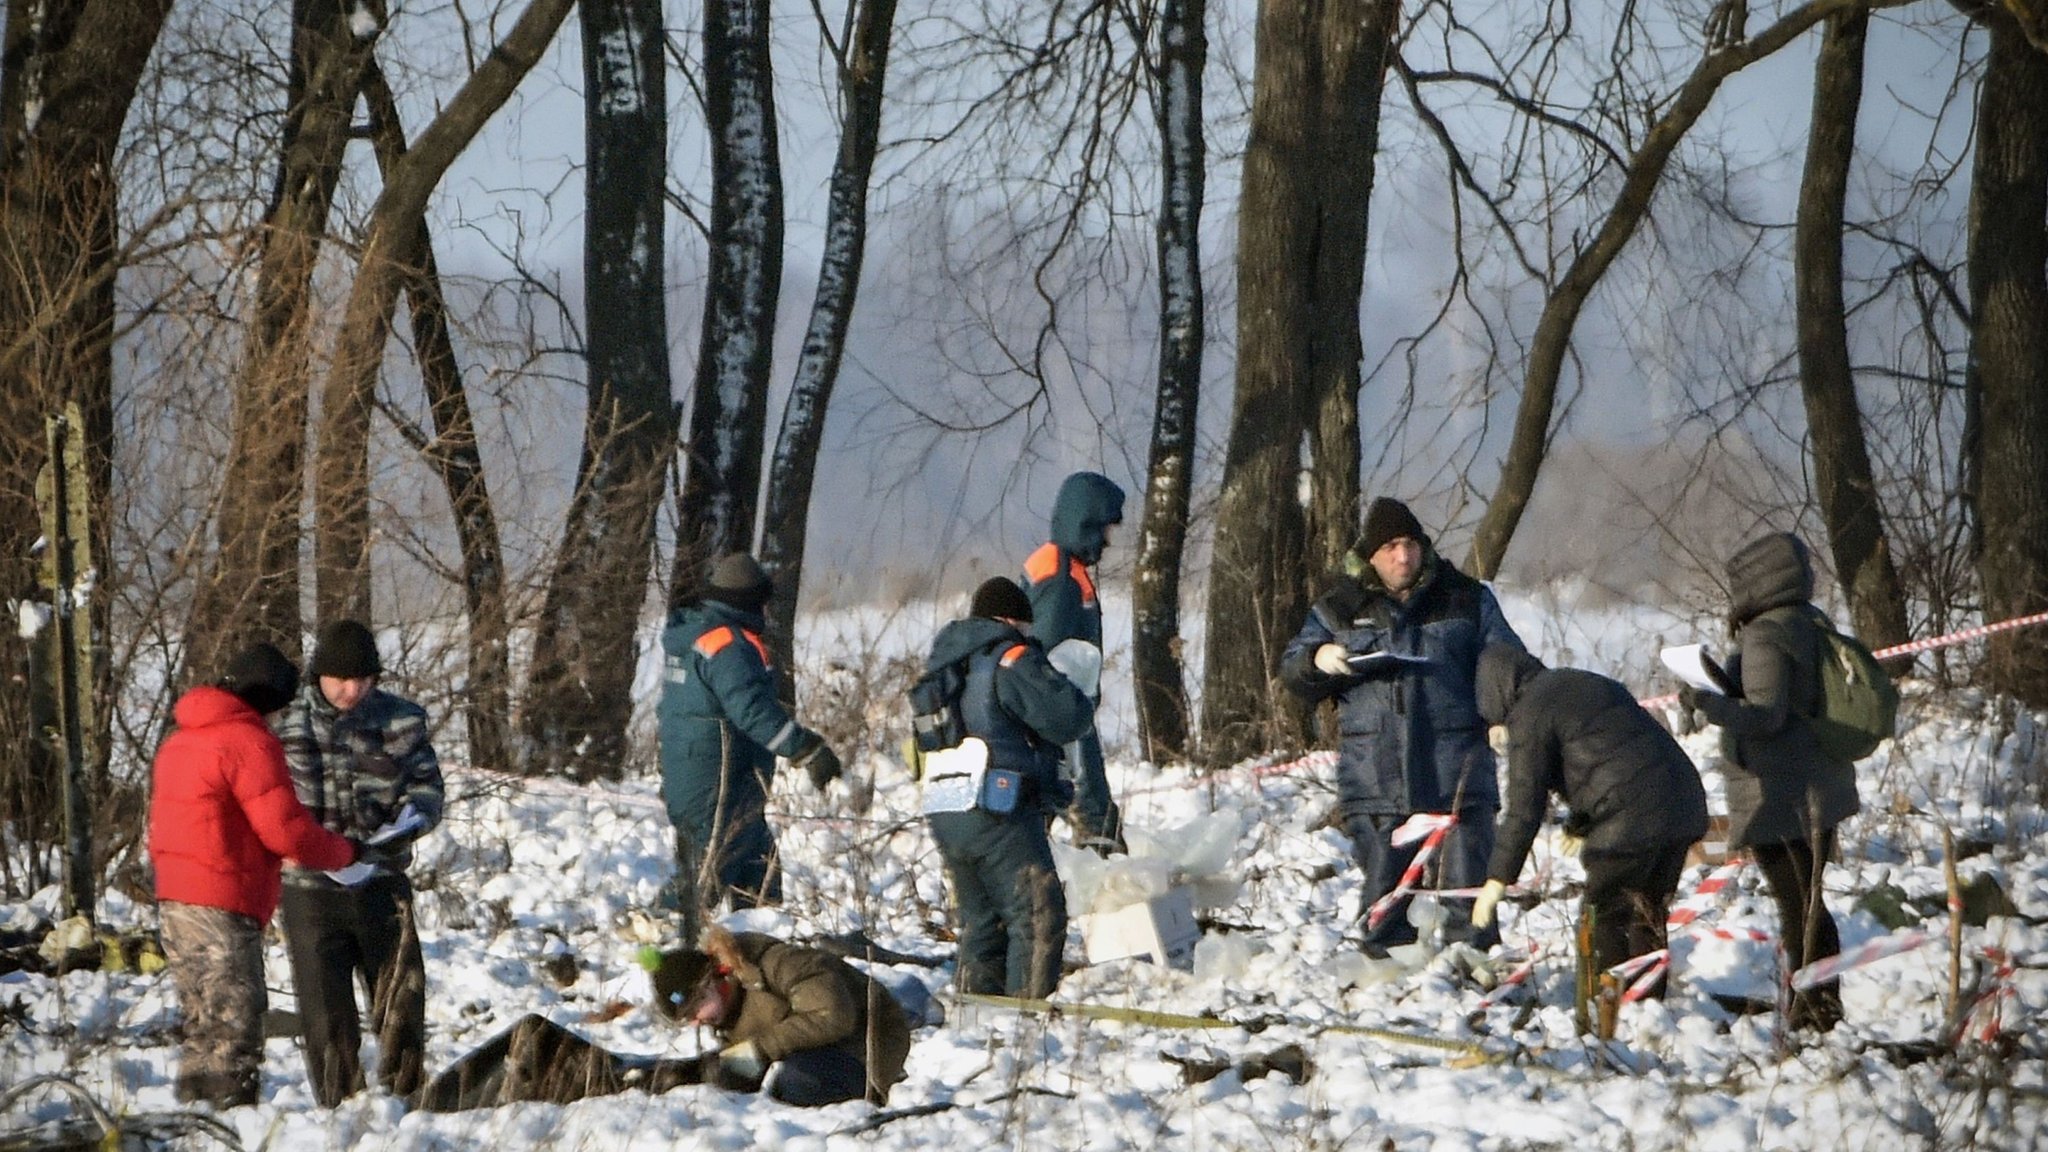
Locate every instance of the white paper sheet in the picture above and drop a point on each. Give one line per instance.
(407, 820)
(1379, 661)
(1695, 664)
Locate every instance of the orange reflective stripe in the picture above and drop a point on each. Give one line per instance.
(1015, 654)
(1042, 564)
(758, 647)
(713, 642)
(1079, 572)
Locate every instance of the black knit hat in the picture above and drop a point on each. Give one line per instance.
(738, 580)
(263, 677)
(999, 598)
(677, 974)
(346, 650)
(1387, 520)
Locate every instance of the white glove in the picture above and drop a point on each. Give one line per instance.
(1484, 903)
(1333, 660)
(743, 1059)
(1080, 662)
(1497, 739)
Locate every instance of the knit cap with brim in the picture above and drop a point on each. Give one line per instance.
(740, 581)
(263, 677)
(345, 650)
(999, 598)
(1387, 520)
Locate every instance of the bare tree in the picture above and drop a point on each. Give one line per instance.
(68, 75)
(2009, 301)
(861, 53)
(579, 692)
(1728, 52)
(341, 460)
(451, 449)
(1841, 462)
(1301, 252)
(1163, 707)
(729, 397)
(252, 588)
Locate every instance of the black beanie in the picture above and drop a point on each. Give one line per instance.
(1387, 520)
(263, 677)
(1000, 598)
(346, 651)
(738, 580)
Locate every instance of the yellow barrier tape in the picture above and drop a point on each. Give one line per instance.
(1467, 1049)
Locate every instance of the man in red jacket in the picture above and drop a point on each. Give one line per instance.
(222, 815)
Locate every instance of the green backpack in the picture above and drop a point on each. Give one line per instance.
(1859, 703)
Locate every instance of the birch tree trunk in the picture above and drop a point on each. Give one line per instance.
(729, 397)
(579, 692)
(1157, 670)
(863, 67)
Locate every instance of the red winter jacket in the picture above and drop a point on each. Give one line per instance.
(222, 811)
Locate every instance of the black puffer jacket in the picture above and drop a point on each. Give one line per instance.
(1582, 736)
(1780, 785)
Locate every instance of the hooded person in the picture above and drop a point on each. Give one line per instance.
(222, 819)
(363, 763)
(989, 818)
(1635, 799)
(721, 728)
(1785, 793)
(1395, 644)
(1059, 578)
(798, 1021)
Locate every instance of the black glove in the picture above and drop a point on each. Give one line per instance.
(371, 854)
(820, 763)
(1711, 705)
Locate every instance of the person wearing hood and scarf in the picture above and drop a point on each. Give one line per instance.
(1635, 800)
(222, 820)
(1011, 912)
(1395, 642)
(1785, 795)
(1067, 619)
(721, 729)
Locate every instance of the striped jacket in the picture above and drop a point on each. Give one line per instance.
(355, 770)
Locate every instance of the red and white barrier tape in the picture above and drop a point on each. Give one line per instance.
(1430, 828)
(1986, 1017)
(1826, 969)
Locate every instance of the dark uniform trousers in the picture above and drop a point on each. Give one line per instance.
(335, 934)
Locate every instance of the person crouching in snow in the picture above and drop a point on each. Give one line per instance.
(1635, 798)
(222, 819)
(831, 1032)
(1012, 915)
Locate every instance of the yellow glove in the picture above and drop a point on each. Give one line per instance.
(1333, 660)
(913, 757)
(1570, 844)
(1484, 903)
(744, 1060)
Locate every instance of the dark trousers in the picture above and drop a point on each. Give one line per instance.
(1011, 912)
(1460, 862)
(333, 936)
(1792, 871)
(1628, 896)
(814, 1077)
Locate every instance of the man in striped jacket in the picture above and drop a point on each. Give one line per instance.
(360, 757)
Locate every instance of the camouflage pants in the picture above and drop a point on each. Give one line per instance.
(216, 962)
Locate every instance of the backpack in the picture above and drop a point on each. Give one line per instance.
(1859, 703)
(936, 721)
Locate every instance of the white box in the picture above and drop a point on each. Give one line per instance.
(1161, 929)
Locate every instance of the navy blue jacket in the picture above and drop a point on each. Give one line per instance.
(1056, 576)
(1410, 734)
(1015, 701)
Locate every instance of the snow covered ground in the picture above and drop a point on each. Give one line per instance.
(524, 873)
